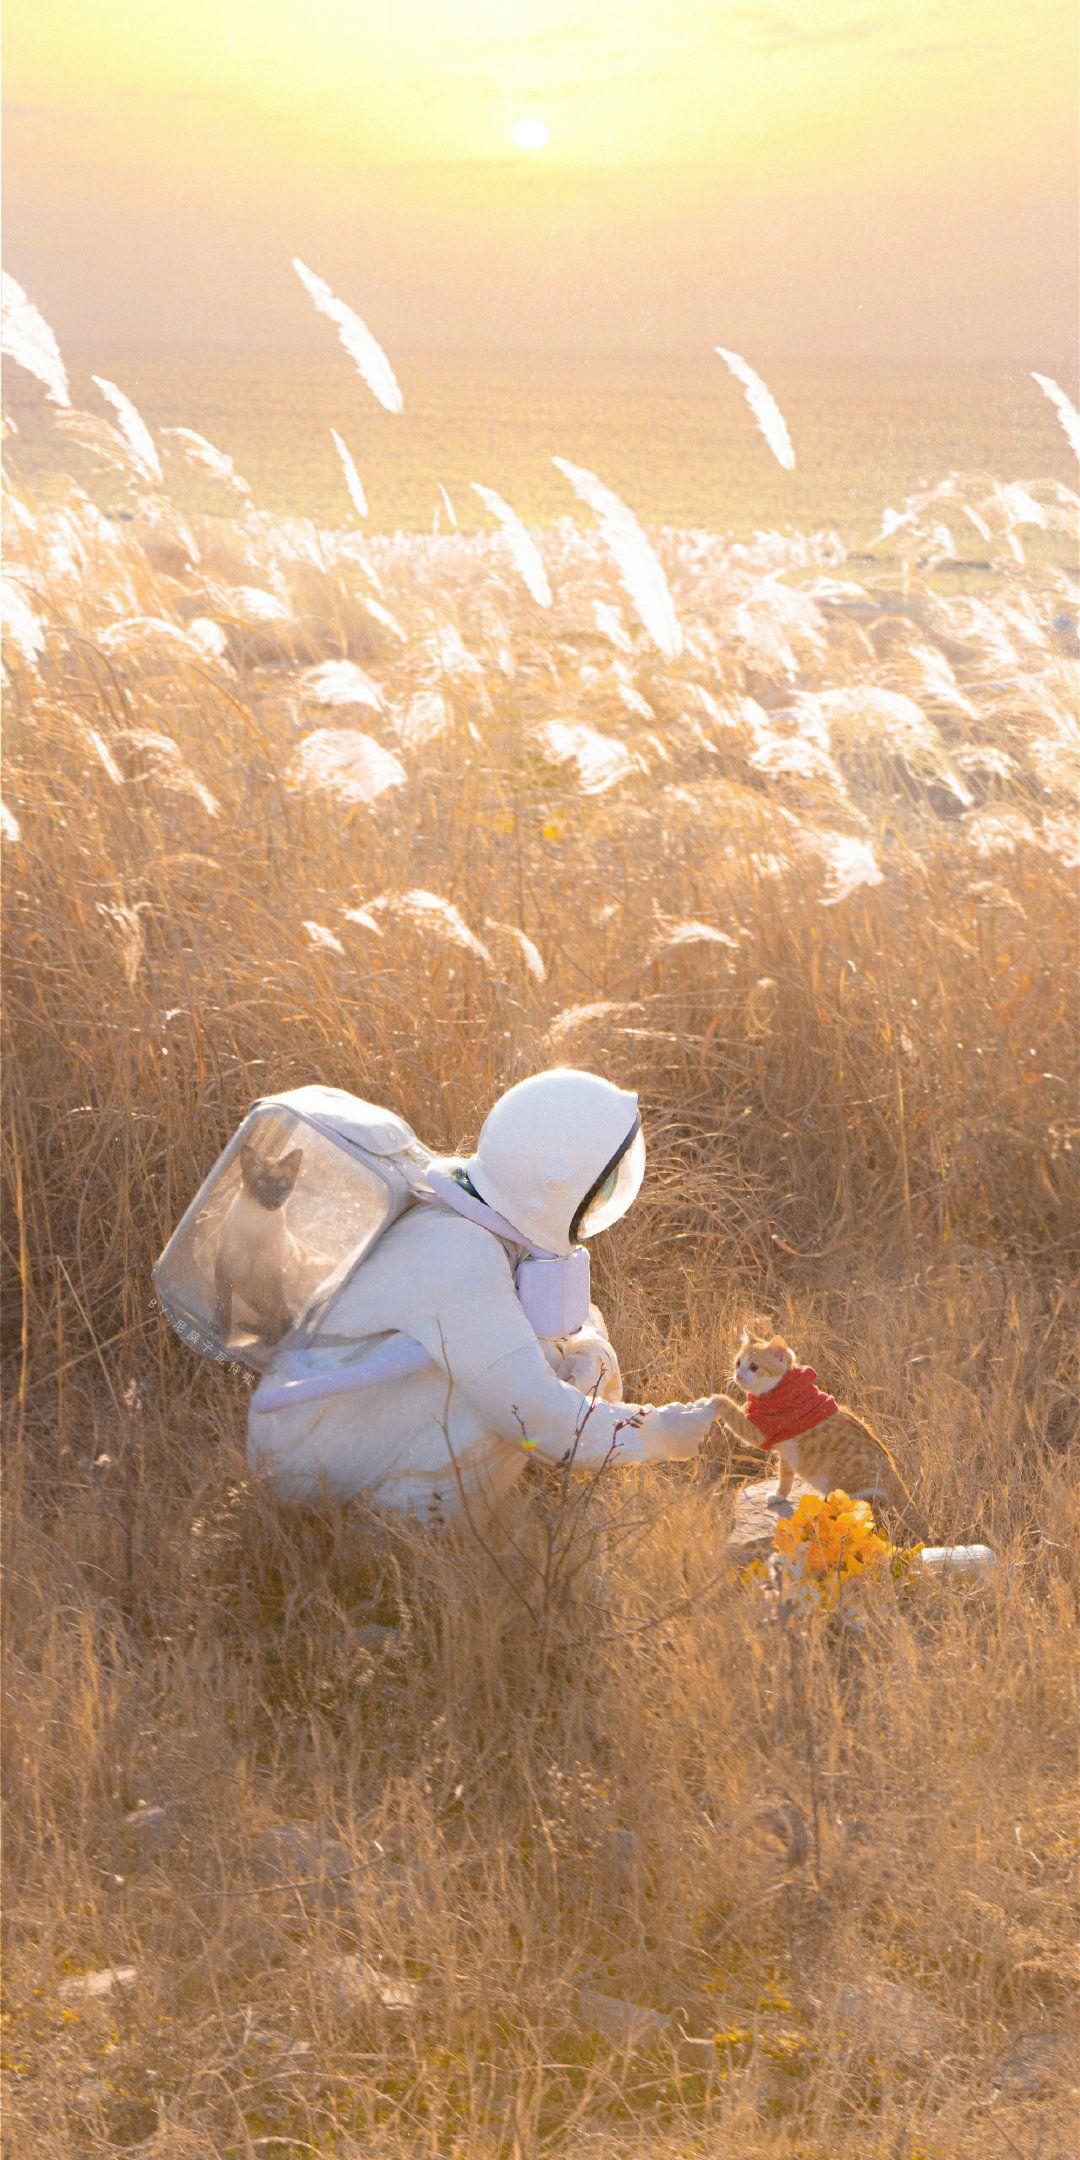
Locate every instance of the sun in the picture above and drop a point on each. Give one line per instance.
(532, 134)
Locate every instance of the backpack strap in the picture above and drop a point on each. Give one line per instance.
(445, 1188)
(300, 1378)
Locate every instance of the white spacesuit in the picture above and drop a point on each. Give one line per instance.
(560, 1157)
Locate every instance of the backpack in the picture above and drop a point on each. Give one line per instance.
(246, 1298)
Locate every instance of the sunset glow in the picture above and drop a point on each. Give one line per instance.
(814, 173)
(532, 134)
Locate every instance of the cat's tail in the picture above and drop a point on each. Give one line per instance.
(905, 1520)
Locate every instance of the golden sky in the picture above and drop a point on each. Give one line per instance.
(863, 177)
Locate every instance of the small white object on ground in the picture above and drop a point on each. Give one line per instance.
(629, 2024)
(885, 2015)
(375, 1636)
(1035, 2063)
(958, 1559)
(296, 1856)
(98, 1985)
(148, 1815)
(361, 1986)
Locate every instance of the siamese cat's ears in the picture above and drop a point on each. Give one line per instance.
(287, 1165)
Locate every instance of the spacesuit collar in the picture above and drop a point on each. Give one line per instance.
(448, 1188)
(553, 1288)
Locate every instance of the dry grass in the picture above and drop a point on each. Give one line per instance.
(596, 1763)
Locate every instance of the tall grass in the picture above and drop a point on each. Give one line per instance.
(808, 886)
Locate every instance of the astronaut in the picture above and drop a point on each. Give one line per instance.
(484, 1281)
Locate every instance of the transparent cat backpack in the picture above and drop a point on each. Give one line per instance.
(299, 1196)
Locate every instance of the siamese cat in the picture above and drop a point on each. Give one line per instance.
(256, 1247)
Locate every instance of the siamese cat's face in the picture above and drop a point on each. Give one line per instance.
(270, 1183)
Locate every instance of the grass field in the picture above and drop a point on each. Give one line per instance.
(286, 804)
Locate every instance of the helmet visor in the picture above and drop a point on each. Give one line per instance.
(617, 1187)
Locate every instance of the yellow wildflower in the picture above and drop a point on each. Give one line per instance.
(832, 1539)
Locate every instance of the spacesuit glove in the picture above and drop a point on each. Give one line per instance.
(679, 1427)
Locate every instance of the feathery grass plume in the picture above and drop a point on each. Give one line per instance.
(425, 718)
(382, 615)
(676, 936)
(795, 755)
(1063, 406)
(1056, 758)
(364, 351)
(133, 428)
(979, 522)
(448, 652)
(1018, 507)
(158, 763)
(984, 761)
(130, 939)
(195, 448)
(102, 752)
(522, 546)
(101, 440)
(346, 764)
(1059, 837)
(865, 723)
(15, 510)
(364, 920)
(323, 938)
(353, 481)
(135, 632)
(26, 338)
(924, 671)
(363, 563)
(447, 504)
(164, 537)
(601, 1012)
(764, 407)
(527, 952)
(610, 624)
(338, 682)
(848, 863)
(210, 635)
(19, 624)
(600, 761)
(1000, 831)
(251, 606)
(428, 911)
(774, 622)
(9, 823)
(634, 557)
(632, 701)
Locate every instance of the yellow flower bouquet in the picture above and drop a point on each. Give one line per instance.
(830, 1541)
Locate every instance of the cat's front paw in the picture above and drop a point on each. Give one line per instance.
(735, 1421)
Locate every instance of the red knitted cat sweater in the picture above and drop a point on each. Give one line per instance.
(795, 1405)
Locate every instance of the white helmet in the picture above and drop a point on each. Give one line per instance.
(561, 1156)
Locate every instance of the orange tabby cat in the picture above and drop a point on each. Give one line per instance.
(824, 1441)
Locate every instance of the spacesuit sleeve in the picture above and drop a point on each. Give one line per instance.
(478, 1334)
(522, 1399)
